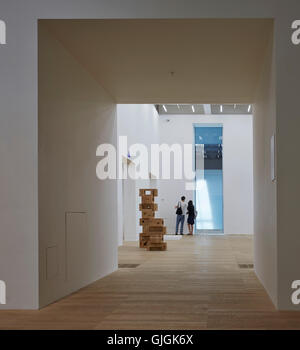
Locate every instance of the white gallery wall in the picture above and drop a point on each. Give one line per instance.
(77, 231)
(140, 124)
(237, 168)
(265, 191)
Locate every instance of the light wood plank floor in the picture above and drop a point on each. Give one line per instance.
(195, 284)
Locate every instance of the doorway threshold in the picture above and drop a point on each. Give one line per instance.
(210, 232)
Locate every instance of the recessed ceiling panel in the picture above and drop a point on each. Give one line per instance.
(169, 60)
(204, 109)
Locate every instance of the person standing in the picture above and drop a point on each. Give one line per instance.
(192, 214)
(180, 215)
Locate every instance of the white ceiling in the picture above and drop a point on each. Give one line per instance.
(170, 60)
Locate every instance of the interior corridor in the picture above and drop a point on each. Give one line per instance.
(196, 284)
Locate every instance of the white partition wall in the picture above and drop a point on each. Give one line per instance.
(140, 124)
(77, 227)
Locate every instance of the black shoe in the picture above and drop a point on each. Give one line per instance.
(181, 234)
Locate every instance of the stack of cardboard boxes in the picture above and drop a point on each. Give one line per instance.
(154, 230)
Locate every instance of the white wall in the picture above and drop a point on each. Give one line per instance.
(284, 108)
(127, 208)
(265, 191)
(140, 124)
(77, 227)
(237, 169)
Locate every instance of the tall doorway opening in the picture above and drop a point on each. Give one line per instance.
(209, 178)
(80, 85)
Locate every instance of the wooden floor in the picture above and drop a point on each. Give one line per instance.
(195, 284)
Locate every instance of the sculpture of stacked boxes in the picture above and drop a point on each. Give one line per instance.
(154, 230)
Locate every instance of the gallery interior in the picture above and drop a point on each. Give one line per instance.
(157, 81)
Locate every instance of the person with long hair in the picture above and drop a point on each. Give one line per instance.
(192, 213)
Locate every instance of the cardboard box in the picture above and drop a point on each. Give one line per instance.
(156, 239)
(143, 243)
(148, 213)
(154, 229)
(147, 199)
(144, 235)
(157, 247)
(144, 239)
(151, 221)
(152, 206)
(148, 191)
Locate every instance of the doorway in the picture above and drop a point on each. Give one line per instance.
(79, 116)
(209, 178)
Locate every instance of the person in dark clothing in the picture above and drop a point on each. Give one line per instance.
(192, 213)
(181, 208)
